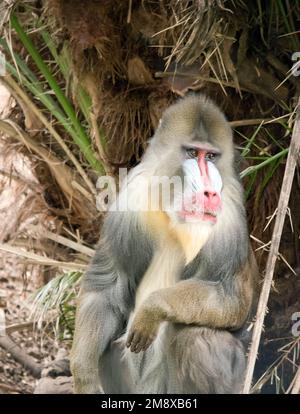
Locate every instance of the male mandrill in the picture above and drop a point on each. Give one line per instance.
(165, 302)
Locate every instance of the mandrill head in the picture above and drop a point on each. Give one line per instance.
(193, 142)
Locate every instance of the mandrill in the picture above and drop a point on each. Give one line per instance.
(165, 302)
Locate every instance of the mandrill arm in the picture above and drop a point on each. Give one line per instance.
(224, 305)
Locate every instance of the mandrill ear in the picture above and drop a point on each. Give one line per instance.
(215, 177)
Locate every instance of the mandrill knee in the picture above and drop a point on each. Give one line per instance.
(86, 381)
(208, 361)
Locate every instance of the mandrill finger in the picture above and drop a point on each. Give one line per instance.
(142, 342)
(130, 339)
(137, 349)
(132, 347)
(148, 343)
(135, 341)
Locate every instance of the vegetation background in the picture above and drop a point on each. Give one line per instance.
(84, 87)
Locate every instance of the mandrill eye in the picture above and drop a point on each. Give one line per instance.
(210, 156)
(192, 152)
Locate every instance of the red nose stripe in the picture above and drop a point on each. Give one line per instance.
(202, 164)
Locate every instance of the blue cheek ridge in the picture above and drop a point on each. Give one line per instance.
(215, 177)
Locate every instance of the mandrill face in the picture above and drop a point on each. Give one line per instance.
(194, 144)
(201, 201)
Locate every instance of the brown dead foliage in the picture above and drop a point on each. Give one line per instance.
(134, 58)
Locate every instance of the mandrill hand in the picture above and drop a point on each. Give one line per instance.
(143, 330)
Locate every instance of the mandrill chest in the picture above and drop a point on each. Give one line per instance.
(177, 245)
